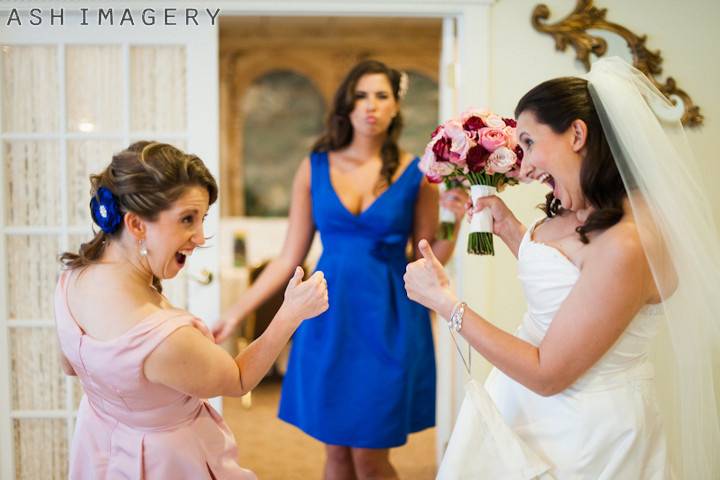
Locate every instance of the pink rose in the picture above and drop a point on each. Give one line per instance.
(492, 138)
(427, 160)
(511, 138)
(501, 160)
(433, 169)
(439, 171)
(494, 121)
(459, 142)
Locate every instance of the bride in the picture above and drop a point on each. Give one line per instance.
(627, 246)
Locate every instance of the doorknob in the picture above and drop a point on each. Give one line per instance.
(204, 277)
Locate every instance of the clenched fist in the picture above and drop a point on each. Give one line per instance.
(427, 283)
(305, 299)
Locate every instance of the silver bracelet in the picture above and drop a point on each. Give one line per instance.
(452, 314)
(456, 317)
(455, 323)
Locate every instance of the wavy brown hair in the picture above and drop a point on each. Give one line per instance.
(146, 179)
(339, 131)
(557, 103)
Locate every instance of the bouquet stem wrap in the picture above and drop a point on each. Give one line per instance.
(480, 241)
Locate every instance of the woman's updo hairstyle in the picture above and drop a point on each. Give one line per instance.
(146, 179)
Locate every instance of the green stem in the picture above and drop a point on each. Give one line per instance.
(481, 243)
(447, 231)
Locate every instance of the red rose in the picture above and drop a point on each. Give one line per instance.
(441, 149)
(519, 152)
(436, 131)
(473, 124)
(510, 122)
(477, 158)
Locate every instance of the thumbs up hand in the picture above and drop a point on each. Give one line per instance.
(427, 283)
(306, 299)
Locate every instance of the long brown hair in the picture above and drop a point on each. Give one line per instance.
(146, 179)
(339, 131)
(557, 103)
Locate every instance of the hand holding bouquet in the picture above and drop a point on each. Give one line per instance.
(480, 148)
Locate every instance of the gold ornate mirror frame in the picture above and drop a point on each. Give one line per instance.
(573, 30)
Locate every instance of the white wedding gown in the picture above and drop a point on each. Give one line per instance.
(605, 426)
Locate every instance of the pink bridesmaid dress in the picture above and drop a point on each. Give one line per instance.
(130, 428)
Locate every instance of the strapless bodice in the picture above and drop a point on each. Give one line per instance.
(547, 278)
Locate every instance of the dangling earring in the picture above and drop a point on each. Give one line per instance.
(143, 248)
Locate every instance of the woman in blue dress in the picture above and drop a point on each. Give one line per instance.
(361, 376)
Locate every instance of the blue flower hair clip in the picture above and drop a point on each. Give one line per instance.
(105, 210)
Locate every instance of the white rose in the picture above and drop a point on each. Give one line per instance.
(501, 161)
(494, 121)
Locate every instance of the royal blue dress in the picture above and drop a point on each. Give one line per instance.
(362, 374)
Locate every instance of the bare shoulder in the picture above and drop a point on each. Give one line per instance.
(303, 174)
(304, 164)
(619, 245)
(405, 159)
(404, 163)
(303, 169)
(123, 305)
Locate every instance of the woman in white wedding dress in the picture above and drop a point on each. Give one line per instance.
(627, 244)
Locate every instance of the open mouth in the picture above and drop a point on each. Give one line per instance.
(180, 258)
(547, 179)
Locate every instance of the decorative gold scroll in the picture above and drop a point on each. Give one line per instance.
(573, 30)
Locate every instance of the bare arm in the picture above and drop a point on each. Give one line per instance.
(425, 223)
(190, 362)
(614, 284)
(298, 239)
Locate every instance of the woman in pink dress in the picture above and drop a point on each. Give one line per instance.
(145, 366)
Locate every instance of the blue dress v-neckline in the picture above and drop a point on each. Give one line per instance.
(410, 165)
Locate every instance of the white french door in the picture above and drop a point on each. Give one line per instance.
(69, 98)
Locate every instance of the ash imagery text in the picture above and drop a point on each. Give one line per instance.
(112, 16)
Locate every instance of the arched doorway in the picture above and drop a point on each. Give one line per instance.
(283, 114)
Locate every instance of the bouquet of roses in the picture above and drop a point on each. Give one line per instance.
(480, 148)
